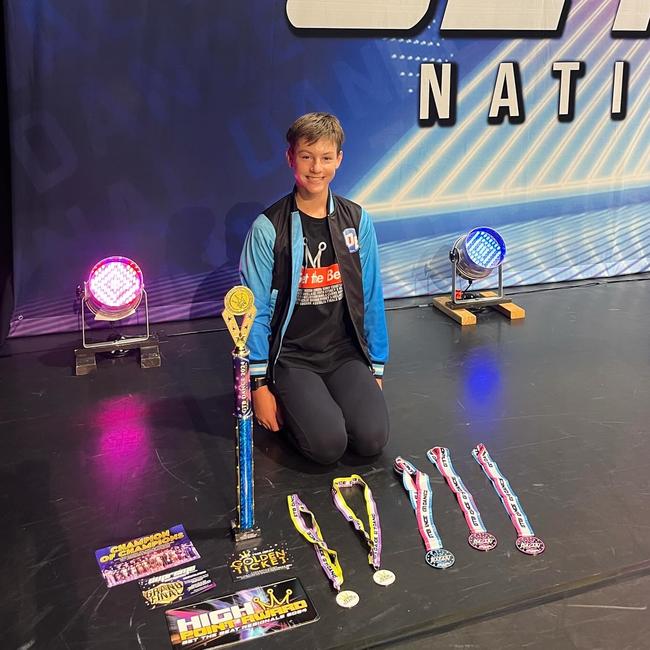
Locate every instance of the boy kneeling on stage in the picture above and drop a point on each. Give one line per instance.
(319, 341)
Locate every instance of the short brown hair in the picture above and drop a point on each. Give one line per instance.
(313, 127)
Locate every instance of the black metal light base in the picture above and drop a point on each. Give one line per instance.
(86, 362)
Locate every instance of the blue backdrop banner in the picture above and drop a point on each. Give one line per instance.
(155, 130)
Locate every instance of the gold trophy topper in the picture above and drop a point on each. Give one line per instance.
(239, 301)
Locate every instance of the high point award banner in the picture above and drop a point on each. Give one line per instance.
(247, 614)
(158, 134)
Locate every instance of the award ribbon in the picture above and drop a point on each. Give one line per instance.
(373, 534)
(418, 486)
(526, 541)
(327, 557)
(479, 537)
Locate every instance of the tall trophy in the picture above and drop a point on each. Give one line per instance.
(239, 301)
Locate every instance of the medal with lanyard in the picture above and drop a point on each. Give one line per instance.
(418, 486)
(479, 537)
(327, 557)
(372, 536)
(526, 541)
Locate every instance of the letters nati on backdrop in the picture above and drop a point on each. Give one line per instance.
(438, 91)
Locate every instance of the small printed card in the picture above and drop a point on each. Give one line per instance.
(144, 556)
(259, 561)
(169, 588)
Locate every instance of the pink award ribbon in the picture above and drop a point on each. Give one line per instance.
(526, 541)
(418, 486)
(479, 537)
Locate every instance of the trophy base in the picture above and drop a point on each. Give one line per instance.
(245, 536)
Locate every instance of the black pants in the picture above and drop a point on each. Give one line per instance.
(325, 412)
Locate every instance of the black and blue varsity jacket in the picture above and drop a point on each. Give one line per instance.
(271, 264)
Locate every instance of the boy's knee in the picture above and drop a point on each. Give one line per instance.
(328, 452)
(372, 441)
(371, 447)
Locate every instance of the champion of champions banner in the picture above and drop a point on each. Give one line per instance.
(156, 131)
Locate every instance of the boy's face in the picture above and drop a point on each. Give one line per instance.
(314, 165)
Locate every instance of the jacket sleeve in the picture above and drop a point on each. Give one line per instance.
(374, 317)
(256, 271)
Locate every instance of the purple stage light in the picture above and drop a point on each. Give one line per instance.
(114, 288)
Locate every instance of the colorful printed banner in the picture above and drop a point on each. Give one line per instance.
(251, 613)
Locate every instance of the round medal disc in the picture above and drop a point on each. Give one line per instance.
(530, 545)
(440, 558)
(347, 599)
(383, 577)
(239, 300)
(482, 541)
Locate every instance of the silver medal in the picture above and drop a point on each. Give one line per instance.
(441, 558)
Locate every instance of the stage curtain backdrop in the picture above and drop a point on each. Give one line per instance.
(156, 130)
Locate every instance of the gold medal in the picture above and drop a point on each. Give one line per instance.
(347, 599)
(239, 300)
(383, 577)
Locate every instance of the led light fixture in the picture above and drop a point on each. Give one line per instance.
(113, 291)
(474, 256)
(114, 288)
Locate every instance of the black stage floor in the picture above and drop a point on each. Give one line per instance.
(562, 401)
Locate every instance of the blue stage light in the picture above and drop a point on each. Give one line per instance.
(485, 247)
(478, 253)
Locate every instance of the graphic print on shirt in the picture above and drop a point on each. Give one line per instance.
(319, 285)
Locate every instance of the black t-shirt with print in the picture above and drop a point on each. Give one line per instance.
(320, 335)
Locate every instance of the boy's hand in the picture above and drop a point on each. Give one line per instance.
(380, 382)
(266, 409)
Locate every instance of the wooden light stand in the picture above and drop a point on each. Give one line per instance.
(460, 309)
